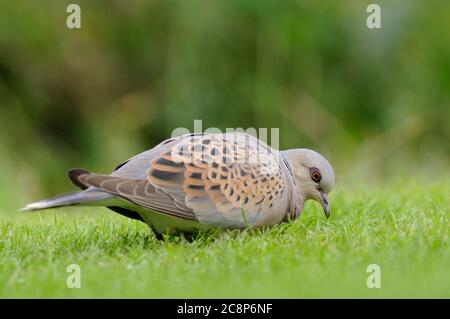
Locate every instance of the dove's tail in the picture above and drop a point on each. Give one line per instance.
(85, 198)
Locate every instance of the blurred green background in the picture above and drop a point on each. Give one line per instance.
(374, 101)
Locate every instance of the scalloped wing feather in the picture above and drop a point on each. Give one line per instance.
(220, 176)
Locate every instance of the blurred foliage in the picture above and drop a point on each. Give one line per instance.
(374, 101)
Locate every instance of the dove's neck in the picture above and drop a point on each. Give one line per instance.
(296, 201)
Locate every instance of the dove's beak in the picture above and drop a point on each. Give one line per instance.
(325, 203)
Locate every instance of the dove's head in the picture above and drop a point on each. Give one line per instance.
(314, 175)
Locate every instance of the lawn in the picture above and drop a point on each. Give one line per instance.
(403, 227)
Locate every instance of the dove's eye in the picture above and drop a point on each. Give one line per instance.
(315, 175)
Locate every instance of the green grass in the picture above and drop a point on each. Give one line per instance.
(403, 227)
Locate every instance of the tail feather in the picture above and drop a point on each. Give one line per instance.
(69, 199)
(87, 197)
(74, 173)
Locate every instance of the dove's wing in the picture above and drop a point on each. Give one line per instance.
(220, 176)
(212, 178)
(137, 191)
